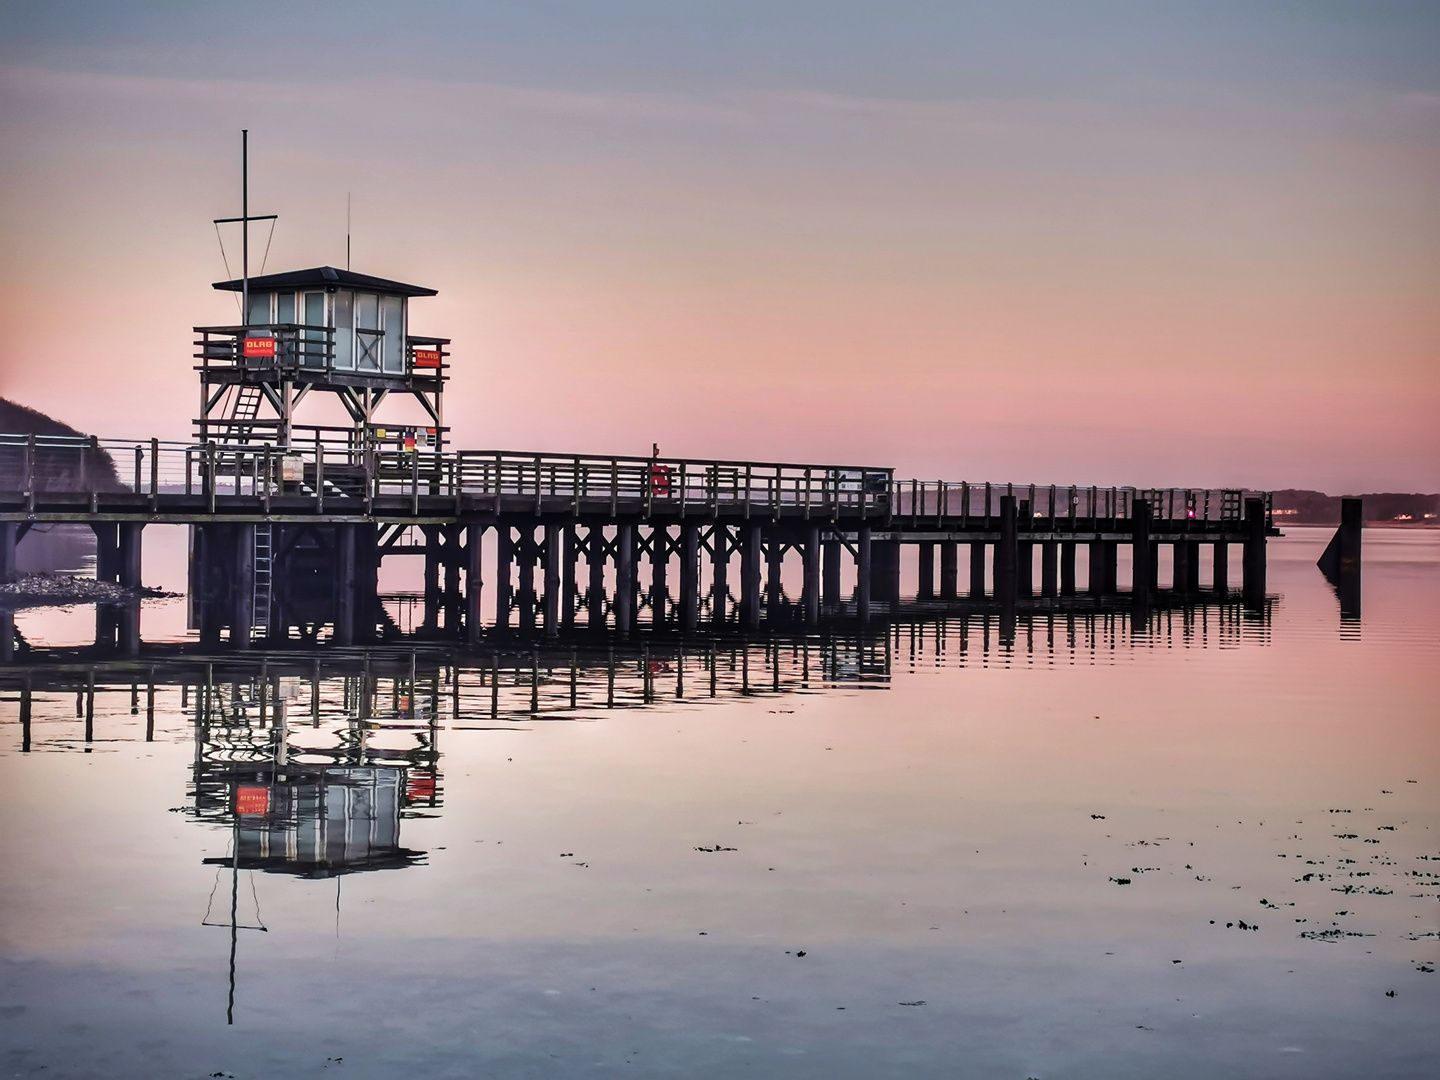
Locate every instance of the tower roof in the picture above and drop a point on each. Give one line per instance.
(327, 277)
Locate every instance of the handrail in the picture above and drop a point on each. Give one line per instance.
(336, 462)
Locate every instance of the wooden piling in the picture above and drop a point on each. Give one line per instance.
(949, 570)
(830, 586)
(504, 587)
(977, 569)
(595, 594)
(345, 580)
(474, 631)
(750, 558)
(689, 575)
(553, 560)
(926, 586)
(1342, 558)
(1049, 568)
(1220, 578)
(1007, 552)
(452, 560)
(659, 573)
(627, 582)
(1025, 567)
(1142, 553)
(1253, 585)
(431, 534)
(812, 575)
(242, 592)
(863, 572)
(720, 573)
(1067, 567)
(774, 567)
(567, 570)
(526, 554)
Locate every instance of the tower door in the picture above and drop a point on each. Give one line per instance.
(313, 316)
(367, 332)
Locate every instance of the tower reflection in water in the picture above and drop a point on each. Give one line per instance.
(324, 795)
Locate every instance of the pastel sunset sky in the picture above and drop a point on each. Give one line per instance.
(1111, 243)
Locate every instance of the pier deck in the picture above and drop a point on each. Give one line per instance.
(289, 540)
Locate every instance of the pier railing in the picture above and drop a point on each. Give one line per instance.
(31, 465)
(945, 504)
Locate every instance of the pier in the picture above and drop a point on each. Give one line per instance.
(287, 542)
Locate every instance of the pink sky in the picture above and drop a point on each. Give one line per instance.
(1183, 279)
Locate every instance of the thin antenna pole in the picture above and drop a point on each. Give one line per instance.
(245, 225)
(347, 230)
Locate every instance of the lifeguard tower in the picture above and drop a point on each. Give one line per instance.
(321, 330)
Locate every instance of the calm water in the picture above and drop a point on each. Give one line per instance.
(1209, 850)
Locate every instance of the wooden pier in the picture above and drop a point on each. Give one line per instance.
(287, 543)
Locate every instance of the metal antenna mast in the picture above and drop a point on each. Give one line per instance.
(244, 219)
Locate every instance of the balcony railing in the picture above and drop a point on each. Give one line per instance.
(301, 350)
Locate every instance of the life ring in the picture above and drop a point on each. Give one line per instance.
(660, 480)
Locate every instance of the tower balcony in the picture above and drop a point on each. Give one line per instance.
(309, 354)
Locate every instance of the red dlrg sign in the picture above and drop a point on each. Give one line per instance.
(260, 347)
(427, 358)
(252, 801)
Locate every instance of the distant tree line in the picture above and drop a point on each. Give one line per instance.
(1300, 507)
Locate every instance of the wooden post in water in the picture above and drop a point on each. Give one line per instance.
(553, 559)
(1341, 561)
(720, 572)
(750, 558)
(949, 570)
(1049, 567)
(1007, 552)
(1220, 580)
(1192, 566)
(926, 586)
(977, 569)
(344, 585)
(130, 532)
(242, 592)
(431, 534)
(1067, 567)
(595, 594)
(812, 575)
(627, 582)
(689, 575)
(774, 566)
(659, 572)
(1254, 560)
(452, 560)
(1025, 568)
(107, 550)
(473, 629)
(567, 570)
(862, 572)
(504, 588)
(1142, 552)
(525, 551)
(831, 572)
(1096, 585)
